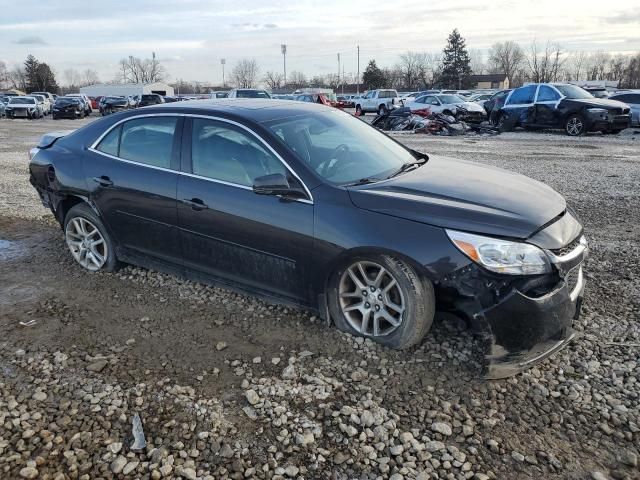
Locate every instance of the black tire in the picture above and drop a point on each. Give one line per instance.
(382, 110)
(359, 111)
(574, 125)
(420, 302)
(448, 112)
(84, 211)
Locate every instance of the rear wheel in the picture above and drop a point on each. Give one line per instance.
(574, 126)
(382, 298)
(359, 111)
(382, 110)
(88, 240)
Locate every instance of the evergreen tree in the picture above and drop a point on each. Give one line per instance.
(373, 77)
(456, 67)
(39, 76)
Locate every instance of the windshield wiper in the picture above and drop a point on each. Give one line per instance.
(363, 181)
(408, 166)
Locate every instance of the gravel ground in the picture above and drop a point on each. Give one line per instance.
(228, 386)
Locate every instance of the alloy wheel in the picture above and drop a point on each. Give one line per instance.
(371, 299)
(574, 126)
(86, 243)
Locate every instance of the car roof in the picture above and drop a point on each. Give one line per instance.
(257, 110)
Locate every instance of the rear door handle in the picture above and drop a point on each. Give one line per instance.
(196, 204)
(103, 181)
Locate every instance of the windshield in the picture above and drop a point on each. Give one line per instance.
(340, 148)
(114, 99)
(66, 101)
(252, 94)
(573, 92)
(40, 98)
(450, 99)
(22, 100)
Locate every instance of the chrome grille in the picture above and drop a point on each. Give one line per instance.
(571, 279)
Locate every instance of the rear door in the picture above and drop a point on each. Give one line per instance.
(228, 231)
(132, 178)
(546, 106)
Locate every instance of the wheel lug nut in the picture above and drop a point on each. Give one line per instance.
(373, 289)
(379, 297)
(377, 308)
(365, 293)
(367, 305)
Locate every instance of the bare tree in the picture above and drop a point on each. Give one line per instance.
(89, 77)
(245, 73)
(506, 57)
(545, 65)
(138, 70)
(296, 80)
(273, 80)
(17, 78)
(4, 75)
(576, 65)
(478, 65)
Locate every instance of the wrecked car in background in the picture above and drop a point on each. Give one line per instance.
(565, 106)
(378, 101)
(449, 105)
(309, 205)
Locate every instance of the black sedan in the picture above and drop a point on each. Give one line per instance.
(305, 204)
(109, 105)
(67, 107)
(565, 106)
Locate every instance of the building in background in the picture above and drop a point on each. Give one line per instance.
(127, 89)
(496, 81)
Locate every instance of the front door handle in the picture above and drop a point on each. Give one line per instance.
(196, 204)
(103, 181)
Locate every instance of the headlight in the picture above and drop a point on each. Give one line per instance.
(501, 256)
(597, 110)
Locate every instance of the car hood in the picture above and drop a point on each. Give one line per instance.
(466, 196)
(598, 102)
(471, 106)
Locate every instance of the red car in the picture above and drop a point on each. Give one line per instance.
(95, 102)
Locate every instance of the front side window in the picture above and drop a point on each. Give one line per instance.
(221, 151)
(340, 148)
(522, 95)
(547, 94)
(450, 99)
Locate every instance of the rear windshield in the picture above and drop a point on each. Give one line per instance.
(252, 94)
(114, 99)
(23, 101)
(149, 97)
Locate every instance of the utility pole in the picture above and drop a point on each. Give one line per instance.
(339, 79)
(343, 79)
(283, 49)
(222, 62)
(358, 82)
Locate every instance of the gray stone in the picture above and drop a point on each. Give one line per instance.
(442, 428)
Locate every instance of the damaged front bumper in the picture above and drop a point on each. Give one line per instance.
(523, 321)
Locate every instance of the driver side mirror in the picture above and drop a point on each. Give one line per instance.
(276, 184)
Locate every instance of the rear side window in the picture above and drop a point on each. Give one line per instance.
(146, 140)
(547, 94)
(522, 95)
(111, 142)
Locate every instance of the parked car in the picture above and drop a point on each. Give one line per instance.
(309, 205)
(95, 102)
(565, 106)
(48, 96)
(168, 99)
(68, 107)
(493, 105)
(319, 98)
(85, 99)
(148, 99)
(346, 101)
(412, 97)
(449, 105)
(43, 103)
(480, 98)
(222, 94)
(23, 107)
(2, 107)
(378, 101)
(248, 93)
(598, 92)
(633, 100)
(109, 105)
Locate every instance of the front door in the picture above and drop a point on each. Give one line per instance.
(227, 230)
(132, 178)
(546, 111)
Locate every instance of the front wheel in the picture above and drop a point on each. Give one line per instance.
(382, 110)
(88, 240)
(382, 298)
(359, 111)
(574, 126)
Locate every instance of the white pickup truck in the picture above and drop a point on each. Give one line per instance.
(378, 101)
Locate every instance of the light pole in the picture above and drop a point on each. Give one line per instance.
(283, 49)
(339, 79)
(222, 62)
(358, 81)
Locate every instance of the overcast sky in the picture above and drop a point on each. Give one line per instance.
(191, 36)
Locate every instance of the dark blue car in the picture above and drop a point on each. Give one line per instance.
(305, 204)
